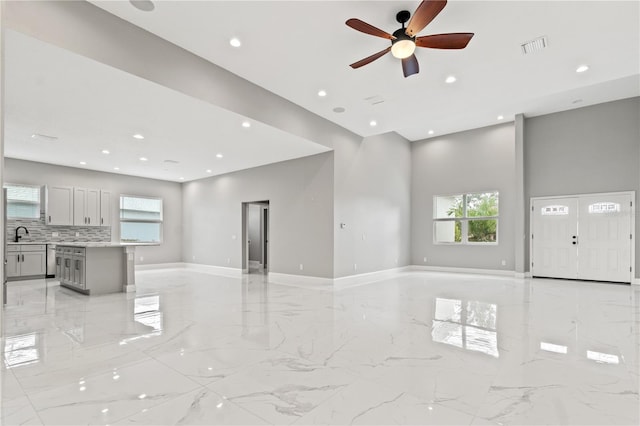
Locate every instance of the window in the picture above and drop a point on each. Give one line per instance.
(466, 218)
(140, 219)
(23, 201)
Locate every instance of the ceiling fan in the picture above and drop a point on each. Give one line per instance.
(404, 40)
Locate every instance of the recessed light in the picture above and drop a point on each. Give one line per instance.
(322, 93)
(83, 163)
(143, 159)
(143, 5)
(181, 178)
(138, 136)
(106, 151)
(219, 155)
(116, 168)
(500, 117)
(450, 79)
(209, 171)
(373, 123)
(246, 124)
(235, 42)
(582, 68)
(430, 132)
(142, 396)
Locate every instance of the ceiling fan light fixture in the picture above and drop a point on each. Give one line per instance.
(403, 46)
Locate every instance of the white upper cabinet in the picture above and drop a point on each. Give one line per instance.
(59, 205)
(105, 208)
(86, 207)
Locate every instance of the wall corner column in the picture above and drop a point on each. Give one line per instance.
(521, 204)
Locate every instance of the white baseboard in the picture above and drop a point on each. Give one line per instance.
(369, 277)
(477, 271)
(301, 280)
(157, 266)
(522, 275)
(215, 270)
(635, 281)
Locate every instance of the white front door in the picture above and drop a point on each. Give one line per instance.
(585, 237)
(605, 237)
(554, 238)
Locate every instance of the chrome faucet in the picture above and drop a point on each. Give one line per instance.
(17, 239)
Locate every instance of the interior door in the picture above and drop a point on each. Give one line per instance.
(555, 238)
(604, 222)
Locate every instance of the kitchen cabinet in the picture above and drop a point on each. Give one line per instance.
(84, 268)
(59, 205)
(86, 207)
(26, 260)
(105, 208)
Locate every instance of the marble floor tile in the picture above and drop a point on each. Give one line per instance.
(420, 348)
(200, 407)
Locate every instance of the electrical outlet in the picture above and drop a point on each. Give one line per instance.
(355, 266)
(54, 234)
(424, 259)
(194, 258)
(504, 262)
(396, 260)
(233, 237)
(141, 258)
(364, 236)
(228, 260)
(77, 234)
(301, 266)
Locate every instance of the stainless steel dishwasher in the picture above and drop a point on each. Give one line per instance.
(51, 260)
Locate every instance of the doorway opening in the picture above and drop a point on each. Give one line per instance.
(255, 235)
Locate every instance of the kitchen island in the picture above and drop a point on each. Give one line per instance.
(96, 268)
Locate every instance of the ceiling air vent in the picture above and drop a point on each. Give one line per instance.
(534, 45)
(374, 100)
(44, 138)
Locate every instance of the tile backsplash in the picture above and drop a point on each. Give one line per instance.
(40, 231)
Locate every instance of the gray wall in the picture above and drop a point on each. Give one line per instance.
(255, 246)
(475, 160)
(372, 197)
(586, 150)
(32, 173)
(300, 195)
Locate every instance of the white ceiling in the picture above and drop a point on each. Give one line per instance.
(295, 48)
(90, 107)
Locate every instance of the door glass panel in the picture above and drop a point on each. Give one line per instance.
(554, 210)
(599, 208)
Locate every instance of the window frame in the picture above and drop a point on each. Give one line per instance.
(464, 220)
(160, 221)
(6, 186)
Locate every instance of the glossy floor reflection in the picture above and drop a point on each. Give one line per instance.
(424, 348)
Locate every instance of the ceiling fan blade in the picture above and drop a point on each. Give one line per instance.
(363, 27)
(370, 59)
(410, 66)
(445, 41)
(426, 11)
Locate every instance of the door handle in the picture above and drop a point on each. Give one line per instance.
(49, 218)
(23, 257)
(89, 220)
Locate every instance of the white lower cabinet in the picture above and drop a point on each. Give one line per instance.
(26, 261)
